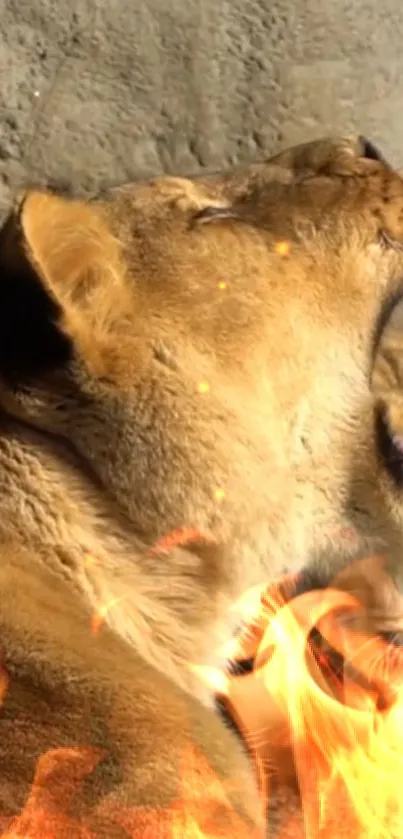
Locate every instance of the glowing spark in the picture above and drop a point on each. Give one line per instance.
(89, 559)
(99, 617)
(203, 387)
(222, 286)
(219, 494)
(282, 248)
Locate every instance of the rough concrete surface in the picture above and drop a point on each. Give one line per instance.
(99, 91)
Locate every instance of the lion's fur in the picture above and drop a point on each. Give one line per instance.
(165, 363)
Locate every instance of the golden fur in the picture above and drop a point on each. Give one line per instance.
(181, 353)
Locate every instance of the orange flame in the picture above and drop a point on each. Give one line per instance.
(343, 732)
(182, 537)
(4, 682)
(58, 774)
(202, 811)
(338, 729)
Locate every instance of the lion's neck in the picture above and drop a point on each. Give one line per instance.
(157, 604)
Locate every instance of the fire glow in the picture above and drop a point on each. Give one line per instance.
(340, 731)
(344, 732)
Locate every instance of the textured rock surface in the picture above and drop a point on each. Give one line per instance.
(95, 91)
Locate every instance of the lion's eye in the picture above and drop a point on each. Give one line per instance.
(214, 213)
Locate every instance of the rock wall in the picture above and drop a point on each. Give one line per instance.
(99, 91)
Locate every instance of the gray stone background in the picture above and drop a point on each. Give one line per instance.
(94, 92)
(101, 91)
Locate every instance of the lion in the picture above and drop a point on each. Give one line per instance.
(187, 411)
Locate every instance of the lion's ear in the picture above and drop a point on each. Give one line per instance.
(68, 243)
(53, 253)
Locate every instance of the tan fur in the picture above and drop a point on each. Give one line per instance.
(217, 381)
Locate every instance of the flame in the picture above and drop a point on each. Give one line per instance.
(343, 732)
(182, 537)
(4, 682)
(323, 704)
(58, 775)
(203, 810)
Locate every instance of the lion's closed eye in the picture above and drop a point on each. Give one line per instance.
(215, 213)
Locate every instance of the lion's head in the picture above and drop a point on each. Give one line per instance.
(196, 355)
